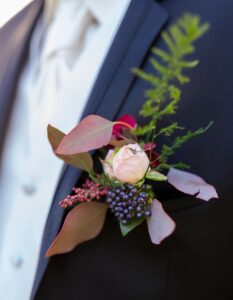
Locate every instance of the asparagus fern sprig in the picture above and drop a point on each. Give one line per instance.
(164, 94)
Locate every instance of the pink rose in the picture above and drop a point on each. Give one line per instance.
(107, 163)
(130, 164)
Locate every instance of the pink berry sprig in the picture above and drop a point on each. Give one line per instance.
(88, 192)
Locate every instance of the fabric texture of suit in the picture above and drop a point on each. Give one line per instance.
(197, 261)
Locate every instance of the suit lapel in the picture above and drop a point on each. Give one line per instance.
(13, 55)
(142, 23)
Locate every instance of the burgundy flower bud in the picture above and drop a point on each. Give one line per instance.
(154, 161)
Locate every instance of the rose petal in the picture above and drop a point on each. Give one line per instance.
(160, 225)
(130, 164)
(191, 184)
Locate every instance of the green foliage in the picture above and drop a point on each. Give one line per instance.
(142, 130)
(125, 229)
(155, 175)
(169, 130)
(165, 166)
(168, 150)
(164, 95)
(104, 180)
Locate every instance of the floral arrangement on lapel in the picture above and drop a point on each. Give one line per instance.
(129, 155)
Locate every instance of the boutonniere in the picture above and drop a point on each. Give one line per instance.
(129, 156)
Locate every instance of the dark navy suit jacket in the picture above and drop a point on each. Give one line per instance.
(197, 261)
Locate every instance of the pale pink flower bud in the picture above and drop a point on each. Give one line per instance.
(107, 164)
(130, 164)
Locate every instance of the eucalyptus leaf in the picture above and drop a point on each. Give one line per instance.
(191, 184)
(93, 132)
(83, 223)
(81, 161)
(160, 225)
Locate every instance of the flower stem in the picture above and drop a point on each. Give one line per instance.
(124, 124)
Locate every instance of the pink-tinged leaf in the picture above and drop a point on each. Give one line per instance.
(55, 136)
(81, 161)
(83, 223)
(91, 133)
(160, 225)
(191, 184)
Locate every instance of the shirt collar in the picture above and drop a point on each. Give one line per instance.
(102, 10)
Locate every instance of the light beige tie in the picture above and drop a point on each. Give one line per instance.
(62, 47)
(66, 33)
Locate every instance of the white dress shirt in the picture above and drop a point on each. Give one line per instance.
(67, 49)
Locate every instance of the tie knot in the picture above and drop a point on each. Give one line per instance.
(66, 32)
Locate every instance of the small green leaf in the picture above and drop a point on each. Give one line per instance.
(169, 130)
(166, 166)
(168, 150)
(146, 76)
(189, 64)
(162, 54)
(159, 67)
(156, 176)
(125, 229)
(141, 130)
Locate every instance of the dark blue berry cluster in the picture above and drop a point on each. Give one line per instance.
(128, 202)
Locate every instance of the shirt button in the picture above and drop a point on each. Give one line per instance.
(29, 188)
(17, 261)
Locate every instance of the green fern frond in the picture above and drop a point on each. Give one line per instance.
(169, 66)
(168, 150)
(162, 98)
